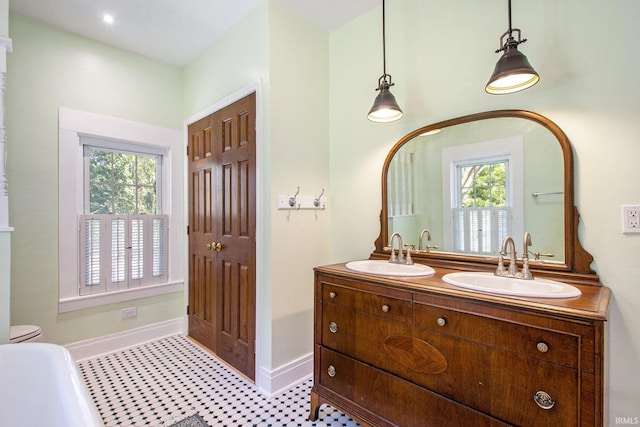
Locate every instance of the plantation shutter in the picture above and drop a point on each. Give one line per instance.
(480, 230)
(91, 231)
(119, 252)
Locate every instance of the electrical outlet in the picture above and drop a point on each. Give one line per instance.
(127, 313)
(631, 219)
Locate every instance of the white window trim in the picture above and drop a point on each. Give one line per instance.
(511, 148)
(73, 124)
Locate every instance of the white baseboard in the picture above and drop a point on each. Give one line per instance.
(271, 383)
(95, 347)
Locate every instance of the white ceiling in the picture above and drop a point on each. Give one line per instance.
(174, 31)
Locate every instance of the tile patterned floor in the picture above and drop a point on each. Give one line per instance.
(163, 382)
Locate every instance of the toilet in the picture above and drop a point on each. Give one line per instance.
(25, 333)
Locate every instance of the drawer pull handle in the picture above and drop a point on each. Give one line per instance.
(331, 371)
(441, 321)
(542, 347)
(543, 400)
(332, 294)
(333, 327)
(386, 308)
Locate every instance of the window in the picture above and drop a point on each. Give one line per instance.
(118, 182)
(482, 212)
(123, 237)
(483, 184)
(123, 240)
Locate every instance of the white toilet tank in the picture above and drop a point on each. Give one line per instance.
(25, 333)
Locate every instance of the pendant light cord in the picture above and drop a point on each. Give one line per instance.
(384, 53)
(510, 28)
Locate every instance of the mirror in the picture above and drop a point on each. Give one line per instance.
(473, 180)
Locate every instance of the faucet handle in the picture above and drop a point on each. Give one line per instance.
(537, 255)
(500, 269)
(408, 260)
(526, 272)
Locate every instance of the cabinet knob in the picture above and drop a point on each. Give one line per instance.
(441, 321)
(542, 347)
(543, 400)
(332, 294)
(331, 370)
(333, 327)
(386, 308)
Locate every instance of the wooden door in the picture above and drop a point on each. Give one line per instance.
(222, 227)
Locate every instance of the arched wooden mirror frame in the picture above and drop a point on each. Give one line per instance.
(577, 261)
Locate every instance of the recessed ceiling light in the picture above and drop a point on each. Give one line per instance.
(108, 18)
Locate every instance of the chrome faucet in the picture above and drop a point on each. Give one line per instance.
(422, 233)
(399, 258)
(513, 267)
(526, 242)
(508, 244)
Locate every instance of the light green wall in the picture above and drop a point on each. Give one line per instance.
(238, 60)
(4, 18)
(299, 67)
(48, 69)
(440, 55)
(289, 58)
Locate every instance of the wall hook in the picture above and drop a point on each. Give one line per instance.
(316, 201)
(292, 199)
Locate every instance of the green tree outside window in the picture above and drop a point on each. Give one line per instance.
(483, 185)
(122, 183)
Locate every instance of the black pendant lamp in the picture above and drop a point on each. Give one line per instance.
(385, 108)
(513, 72)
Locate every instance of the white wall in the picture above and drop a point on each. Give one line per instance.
(440, 54)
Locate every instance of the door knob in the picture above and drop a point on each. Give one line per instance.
(214, 246)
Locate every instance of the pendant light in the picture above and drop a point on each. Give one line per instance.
(513, 72)
(385, 108)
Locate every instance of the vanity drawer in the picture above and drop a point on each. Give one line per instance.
(497, 381)
(359, 334)
(549, 345)
(404, 403)
(379, 303)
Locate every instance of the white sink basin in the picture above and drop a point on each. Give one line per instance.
(386, 268)
(487, 282)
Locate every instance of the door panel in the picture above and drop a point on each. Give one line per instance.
(236, 337)
(201, 297)
(222, 203)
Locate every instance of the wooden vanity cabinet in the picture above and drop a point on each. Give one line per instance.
(390, 353)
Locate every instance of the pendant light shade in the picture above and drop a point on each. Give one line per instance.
(513, 72)
(385, 107)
